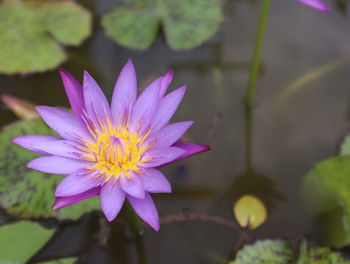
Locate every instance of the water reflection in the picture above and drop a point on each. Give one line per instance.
(251, 181)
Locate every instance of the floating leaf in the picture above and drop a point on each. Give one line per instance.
(326, 188)
(265, 252)
(250, 212)
(186, 24)
(29, 34)
(319, 256)
(21, 240)
(27, 193)
(68, 22)
(281, 252)
(23, 109)
(121, 26)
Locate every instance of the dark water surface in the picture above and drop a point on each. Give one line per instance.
(287, 139)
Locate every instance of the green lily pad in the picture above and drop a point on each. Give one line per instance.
(327, 189)
(319, 256)
(19, 241)
(186, 24)
(30, 34)
(281, 252)
(26, 193)
(265, 252)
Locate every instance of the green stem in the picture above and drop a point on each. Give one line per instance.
(259, 41)
(248, 119)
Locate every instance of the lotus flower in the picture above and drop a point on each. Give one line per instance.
(112, 151)
(318, 4)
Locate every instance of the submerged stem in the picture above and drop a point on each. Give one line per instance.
(135, 222)
(136, 226)
(259, 41)
(140, 246)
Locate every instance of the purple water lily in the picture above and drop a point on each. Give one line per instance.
(112, 151)
(318, 4)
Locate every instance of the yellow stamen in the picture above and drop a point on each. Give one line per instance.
(115, 150)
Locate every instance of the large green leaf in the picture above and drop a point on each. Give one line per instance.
(265, 252)
(19, 241)
(327, 189)
(186, 23)
(281, 252)
(29, 34)
(68, 22)
(27, 193)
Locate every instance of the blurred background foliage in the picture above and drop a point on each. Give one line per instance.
(34, 33)
(35, 36)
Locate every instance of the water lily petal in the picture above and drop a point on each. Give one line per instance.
(76, 183)
(155, 181)
(169, 134)
(57, 165)
(125, 91)
(61, 202)
(31, 142)
(96, 103)
(166, 108)
(63, 122)
(74, 91)
(166, 80)
(145, 106)
(146, 209)
(318, 4)
(48, 145)
(159, 156)
(190, 149)
(63, 148)
(111, 198)
(133, 186)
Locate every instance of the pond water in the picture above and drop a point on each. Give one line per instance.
(287, 139)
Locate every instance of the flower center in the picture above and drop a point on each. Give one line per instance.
(115, 151)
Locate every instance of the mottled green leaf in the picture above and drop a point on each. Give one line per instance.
(27, 193)
(265, 252)
(186, 23)
(19, 241)
(327, 189)
(29, 34)
(120, 25)
(66, 21)
(281, 252)
(319, 256)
